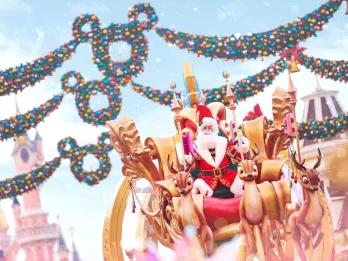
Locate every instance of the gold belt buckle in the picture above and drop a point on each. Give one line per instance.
(217, 172)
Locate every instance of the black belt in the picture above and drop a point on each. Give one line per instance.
(214, 172)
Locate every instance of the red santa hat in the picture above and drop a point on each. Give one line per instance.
(205, 118)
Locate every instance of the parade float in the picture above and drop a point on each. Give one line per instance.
(287, 215)
(255, 184)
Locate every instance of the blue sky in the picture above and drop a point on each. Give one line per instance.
(29, 29)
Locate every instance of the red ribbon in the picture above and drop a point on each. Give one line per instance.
(294, 52)
(252, 115)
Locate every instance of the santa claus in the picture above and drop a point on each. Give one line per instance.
(216, 170)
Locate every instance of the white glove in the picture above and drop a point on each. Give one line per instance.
(189, 158)
(201, 187)
(237, 186)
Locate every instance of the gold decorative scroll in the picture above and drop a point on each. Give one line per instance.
(136, 159)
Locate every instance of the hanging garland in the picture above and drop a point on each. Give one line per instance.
(327, 128)
(257, 44)
(155, 95)
(18, 125)
(249, 86)
(85, 90)
(263, 44)
(329, 69)
(22, 183)
(243, 89)
(26, 182)
(15, 79)
(68, 148)
(131, 33)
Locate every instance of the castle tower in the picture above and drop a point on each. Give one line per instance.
(4, 237)
(33, 233)
(75, 253)
(62, 251)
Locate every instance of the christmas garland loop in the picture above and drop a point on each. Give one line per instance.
(85, 90)
(87, 28)
(19, 124)
(15, 79)
(254, 45)
(329, 69)
(243, 88)
(26, 182)
(327, 128)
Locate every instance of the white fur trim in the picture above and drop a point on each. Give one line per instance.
(237, 186)
(189, 159)
(201, 187)
(205, 155)
(220, 150)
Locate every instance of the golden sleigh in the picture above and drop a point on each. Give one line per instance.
(150, 161)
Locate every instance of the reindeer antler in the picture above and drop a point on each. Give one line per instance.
(298, 165)
(319, 160)
(190, 167)
(255, 152)
(171, 167)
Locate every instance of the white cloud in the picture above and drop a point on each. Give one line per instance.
(13, 52)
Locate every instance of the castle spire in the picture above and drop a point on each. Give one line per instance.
(62, 251)
(75, 253)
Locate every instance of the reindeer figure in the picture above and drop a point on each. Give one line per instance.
(253, 210)
(188, 212)
(305, 222)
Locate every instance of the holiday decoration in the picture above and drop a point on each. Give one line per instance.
(87, 28)
(327, 128)
(255, 45)
(25, 182)
(68, 148)
(329, 69)
(157, 96)
(218, 188)
(293, 55)
(243, 89)
(79, 32)
(15, 79)
(20, 184)
(131, 33)
(19, 124)
(85, 90)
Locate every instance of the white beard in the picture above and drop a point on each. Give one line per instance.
(207, 141)
(204, 142)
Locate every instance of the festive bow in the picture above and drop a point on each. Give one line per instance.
(294, 52)
(252, 115)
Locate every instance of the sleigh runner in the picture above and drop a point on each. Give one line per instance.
(163, 162)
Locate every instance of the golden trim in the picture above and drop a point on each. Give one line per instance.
(112, 232)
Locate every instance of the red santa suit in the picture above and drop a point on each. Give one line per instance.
(212, 161)
(216, 171)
